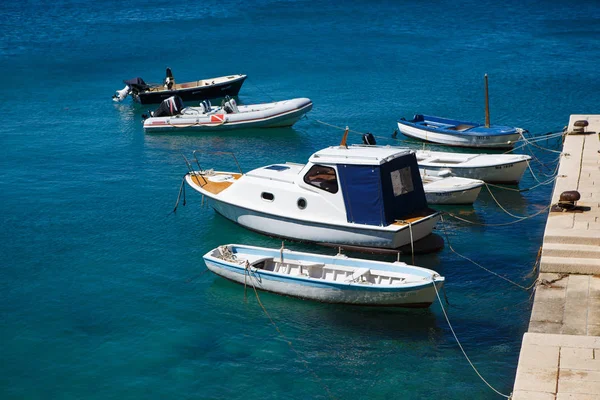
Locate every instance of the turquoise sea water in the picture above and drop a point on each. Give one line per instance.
(102, 290)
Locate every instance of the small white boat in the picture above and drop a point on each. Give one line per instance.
(491, 168)
(171, 116)
(451, 190)
(358, 196)
(330, 279)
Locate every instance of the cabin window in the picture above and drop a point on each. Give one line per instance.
(267, 196)
(402, 181)
(322, 177)
(301, 203)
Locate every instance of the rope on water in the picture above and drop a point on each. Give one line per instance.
(503, 224)
(260, 90)
(461, 347)
(364, 133)
(306, 364)
(519, 217)
(479, 265)
(531, 142)
(197, 276)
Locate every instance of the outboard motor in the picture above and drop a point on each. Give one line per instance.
(169, 107)
(230, 106)
(205, 106)
(121, 94)
(369, 139)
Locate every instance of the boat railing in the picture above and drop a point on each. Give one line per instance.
(196, 152)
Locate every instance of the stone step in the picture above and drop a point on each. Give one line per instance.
(570, 265)
(586, 237)
(571, 250)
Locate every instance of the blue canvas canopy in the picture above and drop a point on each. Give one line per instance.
(382, 194)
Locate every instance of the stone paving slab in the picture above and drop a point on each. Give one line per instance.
(560, 355)
(558, 364)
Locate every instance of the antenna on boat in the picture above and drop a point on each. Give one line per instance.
(344, 138)
(487, 102)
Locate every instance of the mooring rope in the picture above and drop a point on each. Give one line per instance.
(260, 90)
(519, 217)
(479, 265)
(197, 276)
(461, 347)
(502, 224)
(364, 133)
(306, 364)
(415, 142)
(532, 143)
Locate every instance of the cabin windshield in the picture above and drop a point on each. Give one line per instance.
(322, 177)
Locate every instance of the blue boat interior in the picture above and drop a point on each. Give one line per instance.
(452, 126)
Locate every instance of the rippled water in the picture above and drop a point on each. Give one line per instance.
(102, 290)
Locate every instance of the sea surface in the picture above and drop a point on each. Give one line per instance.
(103, 291)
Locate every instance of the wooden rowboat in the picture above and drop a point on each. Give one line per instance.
(330, 279)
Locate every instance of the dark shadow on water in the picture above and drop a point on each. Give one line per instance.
(306, 315)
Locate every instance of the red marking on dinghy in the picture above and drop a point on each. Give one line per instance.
(158, 123)
(217, 118)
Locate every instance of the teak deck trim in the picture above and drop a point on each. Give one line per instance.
(428, 212)
(210, 186)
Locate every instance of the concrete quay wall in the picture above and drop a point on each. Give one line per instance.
(560, 353)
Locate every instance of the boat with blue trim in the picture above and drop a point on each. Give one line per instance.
(453, 132)
(330, 279)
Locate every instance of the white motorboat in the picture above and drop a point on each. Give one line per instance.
(359, 196)
(172, 116)
(451, 190)
(330, 279)
(491, 168)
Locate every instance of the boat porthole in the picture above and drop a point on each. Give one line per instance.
(267, 196)
(301, 203)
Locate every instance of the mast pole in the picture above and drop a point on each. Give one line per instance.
(487, 102)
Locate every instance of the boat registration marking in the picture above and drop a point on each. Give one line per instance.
(505, 166)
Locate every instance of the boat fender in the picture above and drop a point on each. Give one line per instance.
(369, 139)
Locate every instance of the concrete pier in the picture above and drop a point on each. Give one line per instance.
(560, 354)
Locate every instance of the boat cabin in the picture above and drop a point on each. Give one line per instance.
(377, 185)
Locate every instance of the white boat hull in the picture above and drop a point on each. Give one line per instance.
(460, 197)
(491, 168)
(508, 174)
(483, 141)
(310, 231)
